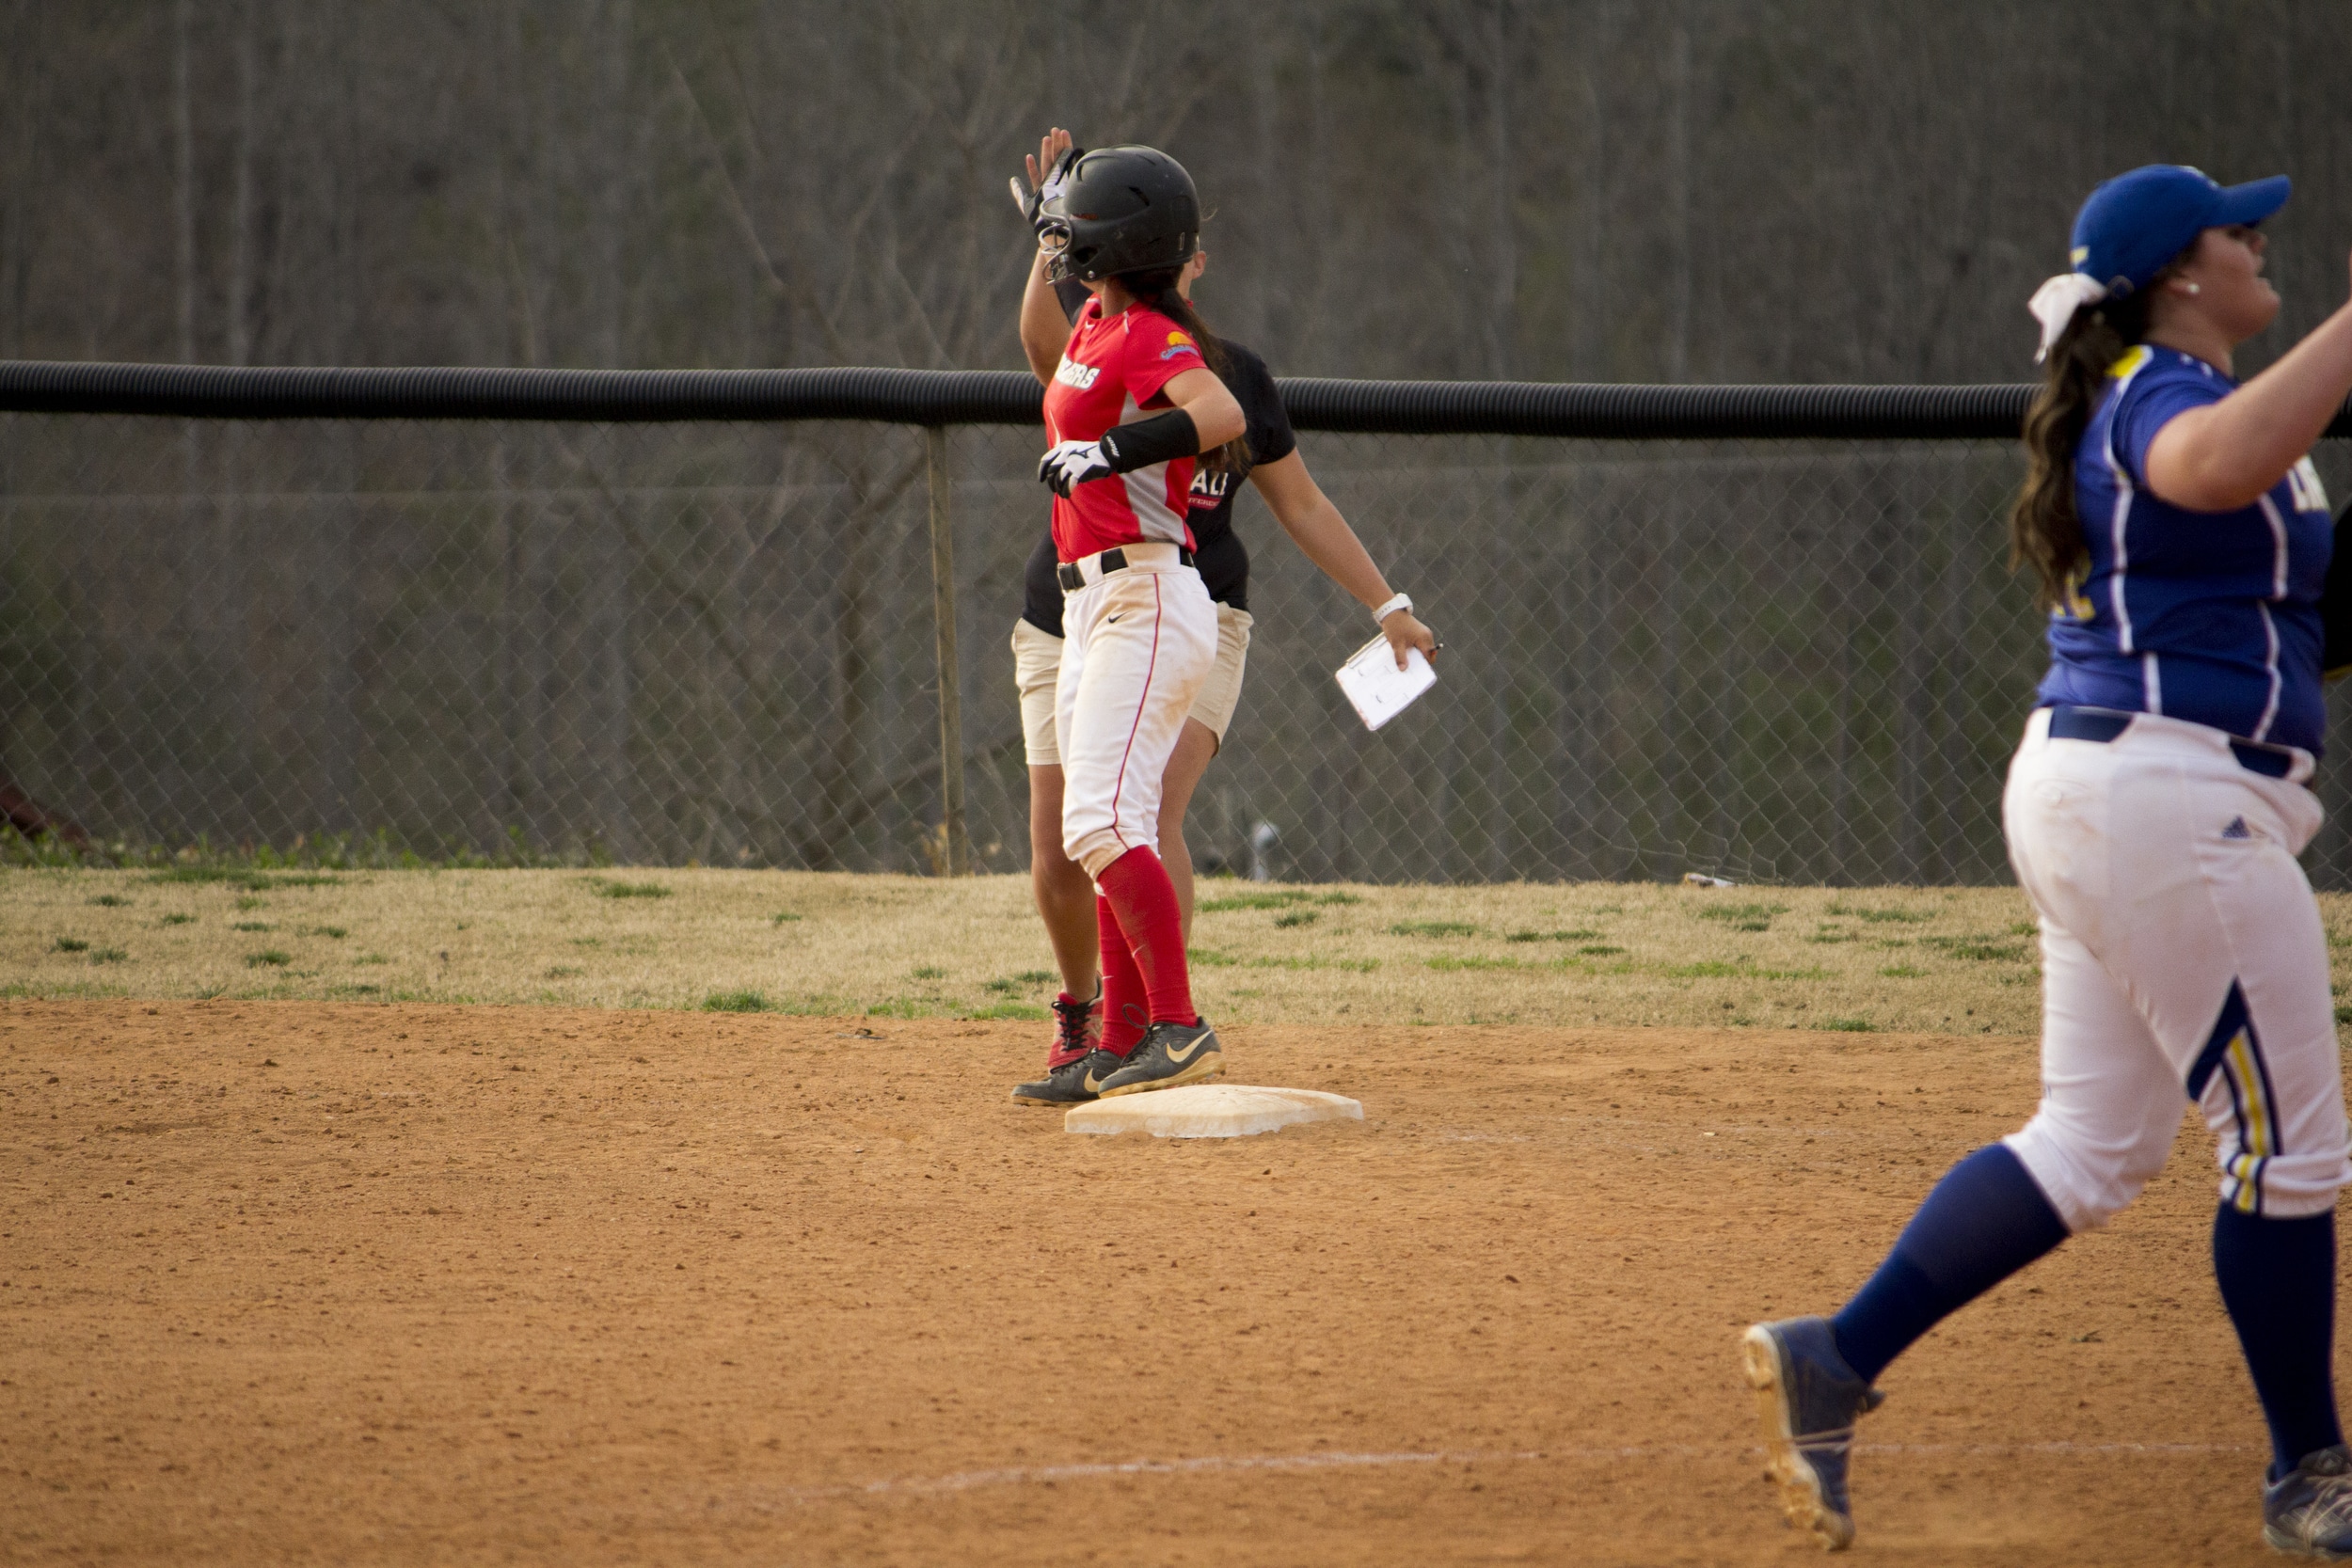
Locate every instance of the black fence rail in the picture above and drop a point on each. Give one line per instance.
(672, 616)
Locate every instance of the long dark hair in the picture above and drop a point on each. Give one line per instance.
(2045, 531)
(1158, 289)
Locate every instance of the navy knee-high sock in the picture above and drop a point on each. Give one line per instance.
(2277, 1279)
(1983, 1222)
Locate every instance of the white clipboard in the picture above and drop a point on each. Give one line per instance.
(1377, 688)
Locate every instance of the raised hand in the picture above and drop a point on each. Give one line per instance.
(1048, 166)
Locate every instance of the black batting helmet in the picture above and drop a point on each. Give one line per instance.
(1121, 209)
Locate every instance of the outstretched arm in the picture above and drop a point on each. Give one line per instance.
(1044, 328)
(1323, 535)
(2228, 454)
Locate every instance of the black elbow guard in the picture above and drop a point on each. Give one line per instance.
(1157, 439)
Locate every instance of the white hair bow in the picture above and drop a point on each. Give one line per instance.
(2054, 303)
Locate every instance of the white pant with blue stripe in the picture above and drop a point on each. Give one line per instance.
(2182, 957)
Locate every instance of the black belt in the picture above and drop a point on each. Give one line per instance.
(2100, 725)
(1114, 559)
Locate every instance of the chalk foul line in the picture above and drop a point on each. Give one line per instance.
(1033, 1475)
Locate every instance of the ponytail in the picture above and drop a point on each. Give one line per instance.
(2045, 531)
(1158, 289)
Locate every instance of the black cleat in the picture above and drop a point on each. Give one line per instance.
(1074, 1082)
(1168, 1054)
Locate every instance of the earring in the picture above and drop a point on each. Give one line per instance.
(2191, 288)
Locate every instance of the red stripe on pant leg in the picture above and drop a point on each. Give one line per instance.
(1149, 669)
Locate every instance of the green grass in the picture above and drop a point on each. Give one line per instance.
(109, 956)
(737, 1002)
(110, 901)
(516, 937)
(1716, 968)
(606, 889)
(781, 916)
(1881, 916)
(72, 945)
(202, 875)
(1979, 949)
(177, 920)
(1743, 917)
(929, 972)
(1279, 899)
(269, 957)
(1027, 1011)
(252, 925)
(1028, 979)
(252, 882)
(1848, 1026)
(1291, 919)
(1209, 957)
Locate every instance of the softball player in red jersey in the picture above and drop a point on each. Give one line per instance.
(1129, 409)
(2154, 813)
(1065, 895)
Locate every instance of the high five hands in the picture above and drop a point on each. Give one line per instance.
(1050, 165)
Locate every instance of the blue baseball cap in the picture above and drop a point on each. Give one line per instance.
(2137, 222)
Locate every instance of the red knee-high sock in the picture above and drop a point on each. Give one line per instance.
(1125, 1009)
(1136, 886)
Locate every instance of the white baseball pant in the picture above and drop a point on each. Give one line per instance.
(2183, 955)
(1037, 670)
(1136, 646)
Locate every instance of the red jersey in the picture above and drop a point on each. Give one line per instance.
(1111, 370)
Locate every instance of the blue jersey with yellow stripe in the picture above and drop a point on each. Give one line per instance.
(2211, 617)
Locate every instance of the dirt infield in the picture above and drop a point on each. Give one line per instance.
(290, 1282)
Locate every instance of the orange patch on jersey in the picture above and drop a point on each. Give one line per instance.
(1181, 339)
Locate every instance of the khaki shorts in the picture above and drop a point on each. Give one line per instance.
(1037, 667)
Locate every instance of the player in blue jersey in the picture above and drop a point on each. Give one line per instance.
(2154, 813)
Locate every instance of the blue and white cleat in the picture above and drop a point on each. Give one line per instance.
(1809, 1399)
(2308, 1513)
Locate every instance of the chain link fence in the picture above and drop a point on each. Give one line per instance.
(1773, 660)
